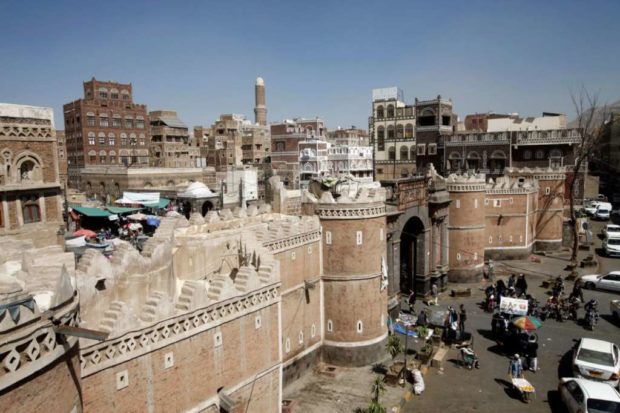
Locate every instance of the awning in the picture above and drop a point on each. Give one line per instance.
(138, 197)
(92, 212)
(162, 203)
(121, 210)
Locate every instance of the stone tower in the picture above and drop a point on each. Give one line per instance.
(466, 232)
(354, 275)
(260, 110)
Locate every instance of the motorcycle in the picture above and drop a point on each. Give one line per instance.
(592, 314)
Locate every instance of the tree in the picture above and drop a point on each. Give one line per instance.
(590, 117)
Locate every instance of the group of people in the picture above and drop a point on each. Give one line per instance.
(454, 322)
(516, 287)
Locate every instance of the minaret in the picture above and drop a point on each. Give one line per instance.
(260, 110)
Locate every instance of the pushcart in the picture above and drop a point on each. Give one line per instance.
(525, 388)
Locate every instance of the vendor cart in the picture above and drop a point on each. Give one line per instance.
(525, 388)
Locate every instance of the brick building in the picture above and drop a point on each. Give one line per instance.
(62, 157)
(285, 139)
(29, 179)
(105, 127)
(170, 141)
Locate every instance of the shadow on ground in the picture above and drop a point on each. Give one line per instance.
(555, 402)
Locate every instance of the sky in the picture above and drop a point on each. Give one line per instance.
(318, 58)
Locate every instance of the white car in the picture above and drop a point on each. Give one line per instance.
(585, 396)
(611, 246)
(610, 281)
(603, 211)
(590, 207)
(597, 360)
(611, 231)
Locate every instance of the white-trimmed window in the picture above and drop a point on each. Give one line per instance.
(293, 256)
(486, 201)
(476, 203)
(287, 345)
(309, 249)
(91, 138)
(330, 326)
(101, 138)
(359, 237)
(328, 237)
(313, 331)
(360, 326)
(475, 256)
(217, 339)
(457, 204)
(458, 256)
(491, 239)
(432, 149)
(547, 191)
(380, 234)
(258, 322)
(421, 149)
(497, 203)
(103, 120)
(301, 337)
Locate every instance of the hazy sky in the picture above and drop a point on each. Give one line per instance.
(318, 58)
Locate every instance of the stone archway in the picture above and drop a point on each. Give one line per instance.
(412, 254)
(206, 207)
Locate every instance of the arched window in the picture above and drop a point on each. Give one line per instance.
(380, 138)
(540, 154)
(409, 131)
(400, 131)
(380, 113)
(390, 111)
(473, 160)
(390, 132)
(111, 139)
(392, 153)
(26, 171)
(555, 153)
(427, 118)
(404, 153)
(527, 154)
(91, 138)
(30, 209)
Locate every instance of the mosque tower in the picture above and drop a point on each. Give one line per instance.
(260, 110)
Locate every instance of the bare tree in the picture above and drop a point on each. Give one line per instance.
(590, 118)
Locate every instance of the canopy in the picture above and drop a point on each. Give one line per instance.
(91, 212)
(162, 203)
(137, 217)
(527, 323)
(138, 198)
(121, 210)
(85, 232)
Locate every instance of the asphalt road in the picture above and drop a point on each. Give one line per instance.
(487, 389)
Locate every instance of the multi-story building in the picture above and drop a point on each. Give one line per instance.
(434, 122)
(347, 157)
(313, 160)
(607, 157)
(62, 157)
(285, 139)
(105, 127)
(392, 134)
(30, 200)
(169, 143)
(346, 136)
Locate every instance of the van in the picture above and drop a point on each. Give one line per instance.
(603, 211)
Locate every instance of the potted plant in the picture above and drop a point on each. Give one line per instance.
(437, 334)
(426, 352)
(422, 332)
(394, 346)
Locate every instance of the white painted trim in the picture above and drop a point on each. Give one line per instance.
(302, 354)
(548, 240)
(511, 248)
(349, 344)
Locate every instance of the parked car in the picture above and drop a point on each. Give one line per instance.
(597, 360)
(611, 231)
(610, 281)
(603, 211)
(590, 207)
(611, 247)
(614, 309)
(585, 396)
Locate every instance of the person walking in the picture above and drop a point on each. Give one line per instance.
(412, 300)
(462, 319)
(435, 294)
(578, 291)
(515, 368)
(532, 354)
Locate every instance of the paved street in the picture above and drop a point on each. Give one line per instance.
(485, 390)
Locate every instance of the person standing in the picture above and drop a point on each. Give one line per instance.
(521, 286)
(462, 319)
(532, 354)
(578, 291)
(435, 293)
(515, 369)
